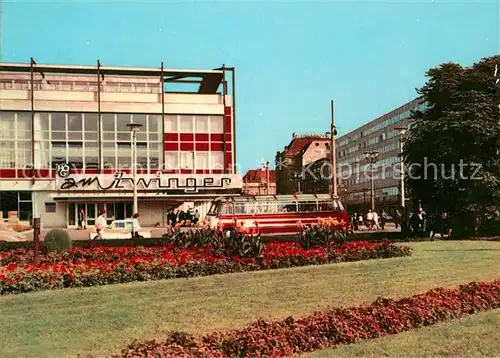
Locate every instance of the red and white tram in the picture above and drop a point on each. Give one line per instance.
(275, 214)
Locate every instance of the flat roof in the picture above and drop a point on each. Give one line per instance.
(209, 79)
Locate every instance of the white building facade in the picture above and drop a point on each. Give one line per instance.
(65, 145)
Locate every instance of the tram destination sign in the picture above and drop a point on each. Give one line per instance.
(119, 181)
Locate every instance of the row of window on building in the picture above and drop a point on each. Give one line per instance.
(73, 138)
(81, 86)
(379, 193)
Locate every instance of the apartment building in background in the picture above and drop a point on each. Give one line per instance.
(66, 145)
(260, 181)
(353, 169)
(301, 153)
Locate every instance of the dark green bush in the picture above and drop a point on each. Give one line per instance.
(489, 228)
(57, 240)
(320, 236)
(244, 245)
(234, 244)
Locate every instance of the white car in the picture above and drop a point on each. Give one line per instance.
(121, 229)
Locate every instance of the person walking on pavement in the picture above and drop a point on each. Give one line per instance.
(375, 221)
(100, 224)
(369, 219)
(397, 218)
(383, 219)
(355, 222)
(136, 227)
(81, 220)
(360, 222)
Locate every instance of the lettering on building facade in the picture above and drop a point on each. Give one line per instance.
(190, 184)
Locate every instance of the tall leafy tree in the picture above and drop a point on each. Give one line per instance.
(452, 150)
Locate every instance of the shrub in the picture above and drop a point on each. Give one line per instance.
(326, 232)
(57, 240)
(243, 245)
(489, 228)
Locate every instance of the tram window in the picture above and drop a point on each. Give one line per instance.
(308, 206)
(266, 207)
(240, 208)
(328, 206)
(287, 207)
(215, 208)
(227, 209)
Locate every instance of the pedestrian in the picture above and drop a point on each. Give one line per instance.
(369, 219)
(355, 222)
(397, 218)
(81, 220)
(383, 219)
(360, 222)
(196, 219)
(100, 225)
(376, 220)
(417, 223)
(136, 227)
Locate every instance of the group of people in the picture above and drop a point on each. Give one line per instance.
(418, 224)
(371, 221)
(422, 225)
(183, 218)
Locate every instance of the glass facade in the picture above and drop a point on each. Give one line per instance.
(19, 201)
(73, 138)
(15, 140)
(194, 124)
(117, 141)
(379, 135)
(194, 159)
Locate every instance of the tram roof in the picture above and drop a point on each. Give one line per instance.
(266, 198)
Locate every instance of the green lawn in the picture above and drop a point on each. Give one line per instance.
(104, 319)
(468, 337)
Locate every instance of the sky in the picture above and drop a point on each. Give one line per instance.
(291, 58)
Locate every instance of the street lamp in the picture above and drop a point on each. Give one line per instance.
(298, 177)
(134, 128)
(372, 158)
(401, 132)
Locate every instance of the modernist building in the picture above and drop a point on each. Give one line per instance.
(260, 182)
(353, 169)
(293, 162)
(65, 143)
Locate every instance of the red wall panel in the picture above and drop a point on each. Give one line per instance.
(170, 137)
(202, 137)
(215, 137)
(187, 146)
(202, 147)
(216, 147)
(169, 146)
(228, 124)
(187, 137)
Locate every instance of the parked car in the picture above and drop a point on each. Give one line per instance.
(121, 229)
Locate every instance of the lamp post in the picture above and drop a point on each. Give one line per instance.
(372, 158)
(298, 177)
(134, 128)
(401, 132)
(333, 151)
(365, 190)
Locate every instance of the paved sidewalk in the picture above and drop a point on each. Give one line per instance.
(389, 227)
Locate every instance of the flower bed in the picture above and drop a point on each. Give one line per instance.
(108, 265)
(322, 330)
